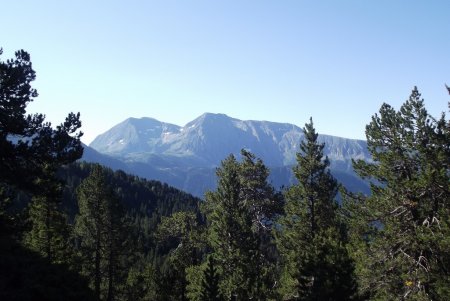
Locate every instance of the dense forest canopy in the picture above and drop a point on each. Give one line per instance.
(79, 231)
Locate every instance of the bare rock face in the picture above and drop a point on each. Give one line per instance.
(185, 156)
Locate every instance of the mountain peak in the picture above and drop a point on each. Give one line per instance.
(208, 119)
(133, 135)
(213, 136)
(141, 122)
(214, 115)
(183, 155)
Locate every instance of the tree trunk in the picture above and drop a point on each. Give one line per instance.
(47, 229)
(110, 275)
(97, 266)
(313, 217)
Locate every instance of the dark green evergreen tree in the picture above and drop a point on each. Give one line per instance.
(101, 231)
(30, 148)
(238, 215)
(262, 204)
(141, 283)
(310, 236)
(210, 282)
(27, 141)
(181, 233)
(401, 233)
(229, 231)
(49, 232)
(31, 151)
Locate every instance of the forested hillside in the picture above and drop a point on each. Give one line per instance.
(137, 195)
(47, 214)
(80, 231)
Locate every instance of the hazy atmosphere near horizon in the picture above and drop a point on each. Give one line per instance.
(282, 61)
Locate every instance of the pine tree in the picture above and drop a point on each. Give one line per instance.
(181, 232)
(262, 204)
(315, 263)
(50, 232)
(400, 234)
(101, 231)
(28, 143)
(141, 283)
(210, 282)
(230, 230)
(239, 214)
(31, 150)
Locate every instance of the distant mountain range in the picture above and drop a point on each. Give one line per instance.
(186, 157)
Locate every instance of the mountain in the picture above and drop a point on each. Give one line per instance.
(186, 157)
(133, 135)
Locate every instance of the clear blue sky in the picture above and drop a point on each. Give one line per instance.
(283, 61)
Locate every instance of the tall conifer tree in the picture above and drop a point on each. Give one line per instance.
(100, 228)
(181, 230)
(239, 216)
(210, 282)
(315, 262)
(401, 233)
(31, 150)
(50, 232)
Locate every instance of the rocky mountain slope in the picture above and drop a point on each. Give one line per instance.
(187, 156)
